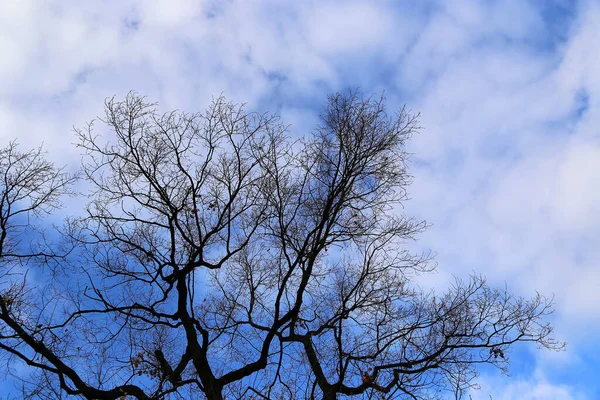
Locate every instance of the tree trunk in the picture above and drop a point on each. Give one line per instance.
(213, 392)
(329, 394)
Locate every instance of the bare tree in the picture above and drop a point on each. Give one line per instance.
(218, 258)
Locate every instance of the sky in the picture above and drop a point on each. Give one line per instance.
(507, 166)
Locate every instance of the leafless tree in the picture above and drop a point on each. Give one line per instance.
(220, 259)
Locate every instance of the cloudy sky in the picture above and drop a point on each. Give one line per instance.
(507, 167)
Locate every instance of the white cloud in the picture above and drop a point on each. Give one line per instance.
(353, 27)
(520, 193)
(534, 389)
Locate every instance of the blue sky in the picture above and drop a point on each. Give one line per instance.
(507, 168)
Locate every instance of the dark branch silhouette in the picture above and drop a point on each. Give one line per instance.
(218, 258)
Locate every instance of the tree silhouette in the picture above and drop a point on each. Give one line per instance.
(218, 258)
